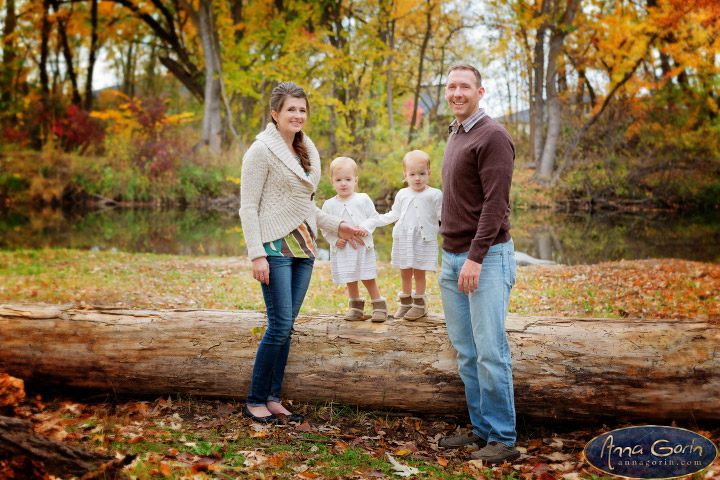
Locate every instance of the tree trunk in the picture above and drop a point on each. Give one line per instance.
(212, 115)
(388, 79)
(547, 162)
(93, 51)
(564, 368)
(204, 21)
(9, 54)
(128, 70)
(423, 49)
(44, 51)
(238, 18)
(67, 55)
(537, 107)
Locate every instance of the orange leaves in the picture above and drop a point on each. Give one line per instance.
(644, 289)
(12, 390)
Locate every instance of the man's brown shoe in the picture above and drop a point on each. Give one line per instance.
(495, 452)
(455, 441)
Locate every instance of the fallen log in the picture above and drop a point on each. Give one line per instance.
(18, 439)
(564, 368)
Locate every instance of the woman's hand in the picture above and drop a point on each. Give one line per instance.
(363, 232)
(261, 270)
(346, 232)
(341, 243)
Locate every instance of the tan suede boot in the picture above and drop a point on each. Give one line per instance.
(419, 308)
(405, 304)
(379, 310)
(357, 310)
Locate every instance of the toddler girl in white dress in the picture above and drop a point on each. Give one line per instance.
(416, 210)
(353, 265)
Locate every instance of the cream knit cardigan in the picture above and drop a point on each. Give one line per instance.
(275, 193)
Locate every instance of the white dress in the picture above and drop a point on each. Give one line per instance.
(349, 264)
(415, 234)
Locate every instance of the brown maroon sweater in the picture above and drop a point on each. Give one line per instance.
(476, 176)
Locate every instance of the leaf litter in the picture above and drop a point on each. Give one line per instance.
(215, 441)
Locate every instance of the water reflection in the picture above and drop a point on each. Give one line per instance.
(568, 239)
(172, 231)
(587, 239)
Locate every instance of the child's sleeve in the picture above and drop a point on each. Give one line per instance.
(393, 215)
(371, 215)
(438, 205)
(331, 237)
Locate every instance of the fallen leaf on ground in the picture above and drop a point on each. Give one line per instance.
(401, 470)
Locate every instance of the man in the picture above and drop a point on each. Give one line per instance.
(478, 265)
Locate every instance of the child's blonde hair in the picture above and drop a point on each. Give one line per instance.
(416, 155)
(341, 162)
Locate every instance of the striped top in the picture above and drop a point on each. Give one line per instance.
(300, 243)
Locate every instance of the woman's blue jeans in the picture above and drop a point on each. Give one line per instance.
(289, 281)
(476, 326)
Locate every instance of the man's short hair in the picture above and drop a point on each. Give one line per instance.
(465, 66)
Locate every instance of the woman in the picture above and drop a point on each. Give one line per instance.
(280, 173)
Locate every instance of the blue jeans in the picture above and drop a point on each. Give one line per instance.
(476, 326)
(289, 281)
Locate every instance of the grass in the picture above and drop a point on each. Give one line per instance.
(644, 289)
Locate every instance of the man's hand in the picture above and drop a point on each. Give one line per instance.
(363, 232)
(346, 232)
(469, 277)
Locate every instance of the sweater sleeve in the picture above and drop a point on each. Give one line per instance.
(327, 222)
(393, 215)
(331, 237)
(253, 175)
(495, 170)
(371, 215)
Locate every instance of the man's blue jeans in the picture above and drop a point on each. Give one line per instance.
(476, 326)
(289, 281)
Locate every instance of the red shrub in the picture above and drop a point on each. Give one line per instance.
(76, 129)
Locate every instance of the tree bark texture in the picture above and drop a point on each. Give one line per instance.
(17, 437)
(564, 368)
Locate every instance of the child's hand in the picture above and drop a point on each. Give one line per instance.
(362, 232)
(341, 243)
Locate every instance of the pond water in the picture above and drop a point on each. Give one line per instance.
(563, 238)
